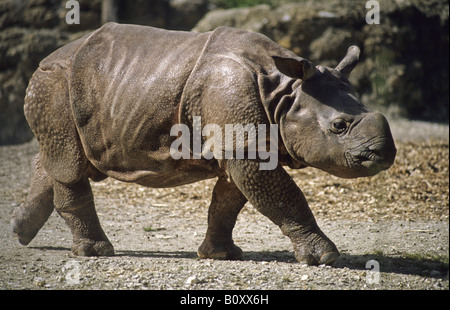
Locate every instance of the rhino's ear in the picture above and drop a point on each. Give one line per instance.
(297, 68)
(349, 62)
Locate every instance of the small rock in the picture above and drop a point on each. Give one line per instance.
(192, 280)
(304, 277)
(165, 236)
(39, 281)
(438, 284)
(357, 278)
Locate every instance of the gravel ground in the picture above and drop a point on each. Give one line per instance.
(399, 219)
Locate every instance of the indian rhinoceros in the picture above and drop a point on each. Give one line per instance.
(104, 106)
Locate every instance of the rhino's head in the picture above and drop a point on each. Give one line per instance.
(327, 127)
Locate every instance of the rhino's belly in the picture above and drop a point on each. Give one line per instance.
(165, 174)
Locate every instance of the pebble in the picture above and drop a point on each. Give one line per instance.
(191, 280)
(39, 281)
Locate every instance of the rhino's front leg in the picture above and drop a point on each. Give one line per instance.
(75, 204)
(275, 194)
(227, 201)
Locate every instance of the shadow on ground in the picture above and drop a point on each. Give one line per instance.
(401, 264)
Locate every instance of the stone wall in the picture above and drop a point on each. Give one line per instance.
(29, 31)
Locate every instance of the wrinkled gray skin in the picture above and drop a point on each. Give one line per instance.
(103, 106)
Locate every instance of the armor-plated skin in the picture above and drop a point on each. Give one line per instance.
(103, 106)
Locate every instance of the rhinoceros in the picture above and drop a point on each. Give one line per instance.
(104, 106)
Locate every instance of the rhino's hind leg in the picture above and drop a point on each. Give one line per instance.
(75, 204)
(62, 159)
(227, 201)
(30, 216)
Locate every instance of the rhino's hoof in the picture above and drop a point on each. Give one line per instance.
(22, 229)
(24, 237)
(327, 258)
(228, 252)
(86, 247)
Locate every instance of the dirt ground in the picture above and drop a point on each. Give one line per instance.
(392, 230)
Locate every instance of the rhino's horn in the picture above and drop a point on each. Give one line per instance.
(350, 60)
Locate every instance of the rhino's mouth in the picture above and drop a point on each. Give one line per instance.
(374, 157)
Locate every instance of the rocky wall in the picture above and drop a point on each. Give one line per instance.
(29, 31)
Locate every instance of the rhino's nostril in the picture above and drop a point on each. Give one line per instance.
(362, 158)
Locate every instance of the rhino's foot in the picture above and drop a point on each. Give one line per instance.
(88, 247)
(22, 230)
(223, 251)
(327, 258)
(25, 225)
(315, 249)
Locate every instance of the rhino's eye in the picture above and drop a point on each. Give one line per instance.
(339, 126)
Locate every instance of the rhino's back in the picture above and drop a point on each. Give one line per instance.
(126, 82)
